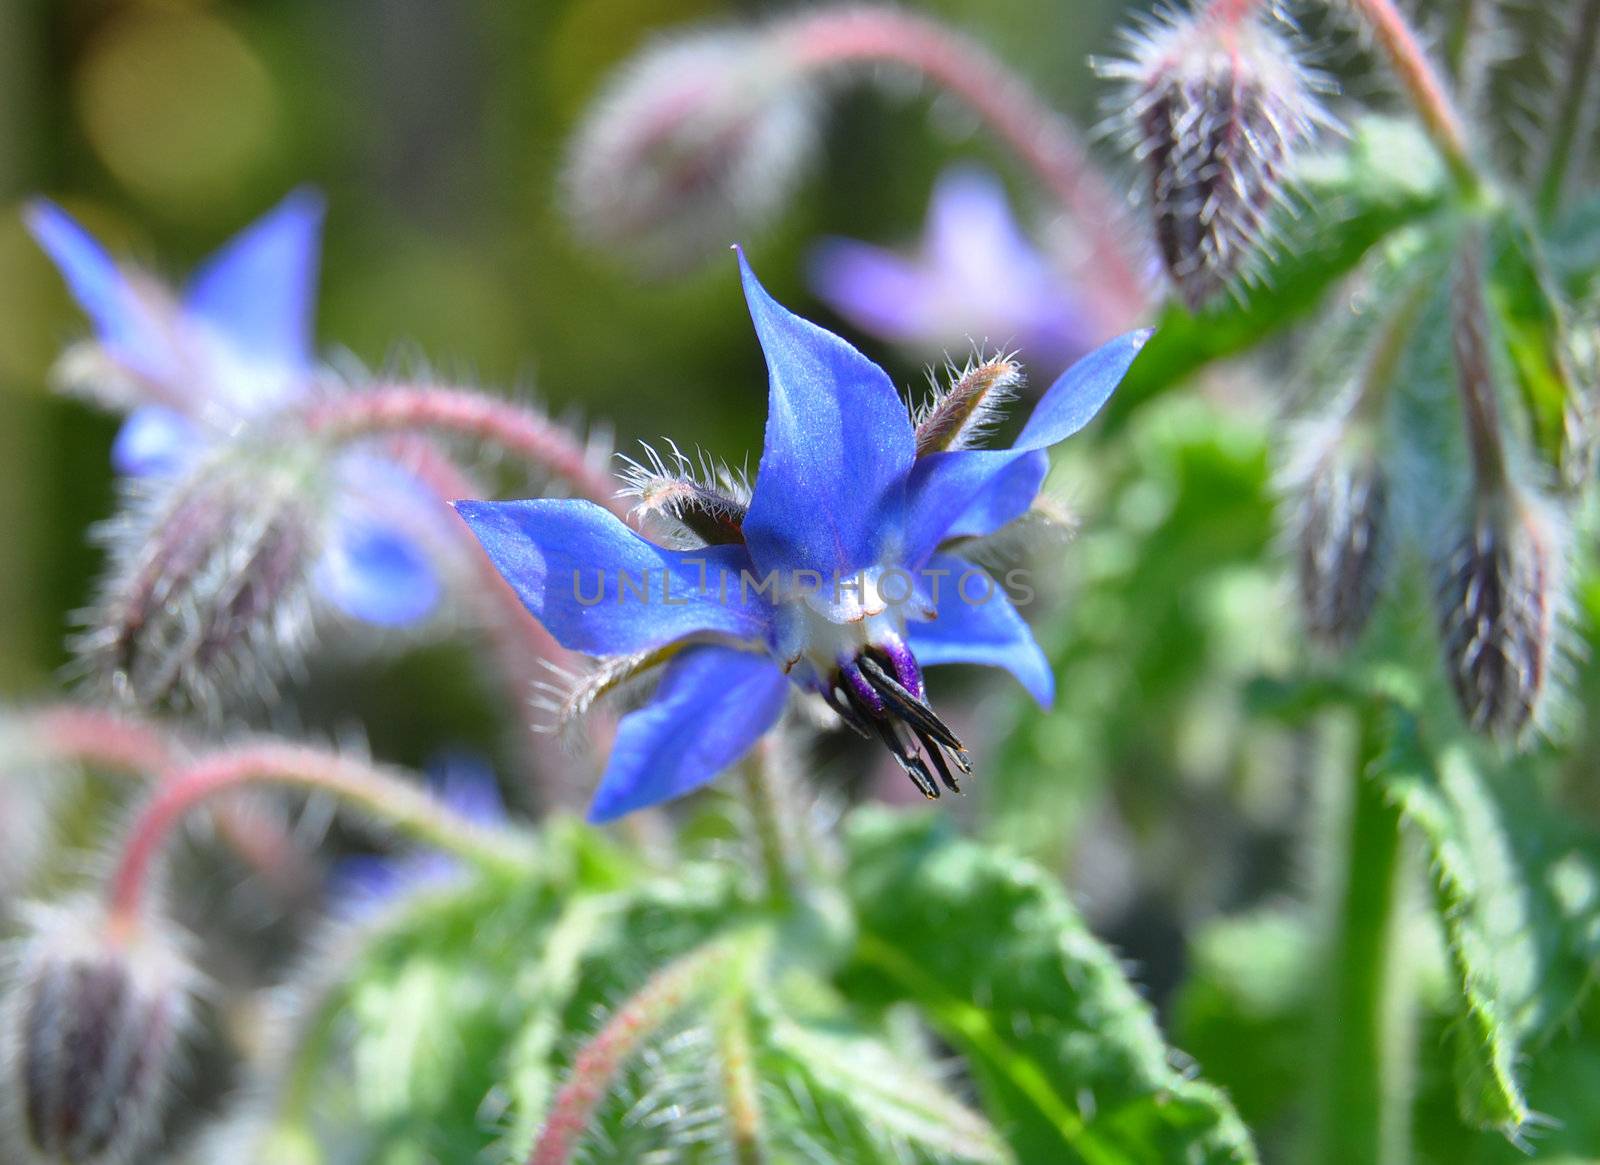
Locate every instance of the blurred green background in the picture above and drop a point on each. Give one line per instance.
(437, 131)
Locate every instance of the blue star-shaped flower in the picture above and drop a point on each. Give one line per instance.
(236, 346)
(836, 576)
(975, 275)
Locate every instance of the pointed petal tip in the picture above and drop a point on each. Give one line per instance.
(54, 229)
(38, 211)
(307, 198)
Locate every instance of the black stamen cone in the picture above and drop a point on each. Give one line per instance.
(910, 708)
(933, 746)
(936, 755)
(839, 700)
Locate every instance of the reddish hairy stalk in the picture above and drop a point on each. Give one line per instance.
(1422, 84)
(102, 739)
(1043, 140)
(297, 766)
(1475, 369)
(1231, 11)
(519, 431)
(741, 1091)
(107, 740)
(598, 1062)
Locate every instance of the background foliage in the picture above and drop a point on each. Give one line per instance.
(1157, 864)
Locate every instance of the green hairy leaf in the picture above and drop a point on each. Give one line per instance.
(1518, 895)
(1066, 1055)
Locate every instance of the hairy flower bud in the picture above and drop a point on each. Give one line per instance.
(1214, 106)
(695, 143)
(1339, 517)
(961, 412)
(91, 1023)
(688, 503)
(1499, 595)
(208, 588)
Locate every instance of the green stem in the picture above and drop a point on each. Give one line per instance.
(1361, 1114)
(1422, 84)
(1458, 39)
(773, 822)
(1580, 62)
(716, 966)
(741, 1090)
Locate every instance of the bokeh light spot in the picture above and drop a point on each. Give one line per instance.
(177, 106)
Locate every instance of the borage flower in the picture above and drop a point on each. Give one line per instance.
(364, 886)
(974, 275)
(836, 576)
(235, 349)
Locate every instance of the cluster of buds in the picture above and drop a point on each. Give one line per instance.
(1497, 552)
(208, 587)
(92, 1021)
(1214, 105)
(696, 143)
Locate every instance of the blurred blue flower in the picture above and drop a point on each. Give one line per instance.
(366, 884)
(836, 575)
(975, 277)
(192, 371)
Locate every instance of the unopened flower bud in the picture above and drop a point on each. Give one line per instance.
(208, 588)
(1215, 106)
(91, 1023)
(962, 411)
(1339, 525)
(687, 504)
(696, 143)
(1499, 594)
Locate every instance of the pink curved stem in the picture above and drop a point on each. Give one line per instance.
(521, 432)
(102, 739)
(274, 763)
(1421, 82)
(598, 1062)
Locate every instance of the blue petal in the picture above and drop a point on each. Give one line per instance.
(376, 572)
(977, 623)
(968, 493)
(361, 883)
(838, 444)
(155, 440)
(876, 290)
(1081, 391)
(361, 886)
(973, 238)
(466, 783)
(258, 292)
(129, 323)
(579, 570)
(714, 703)
(972, 492)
